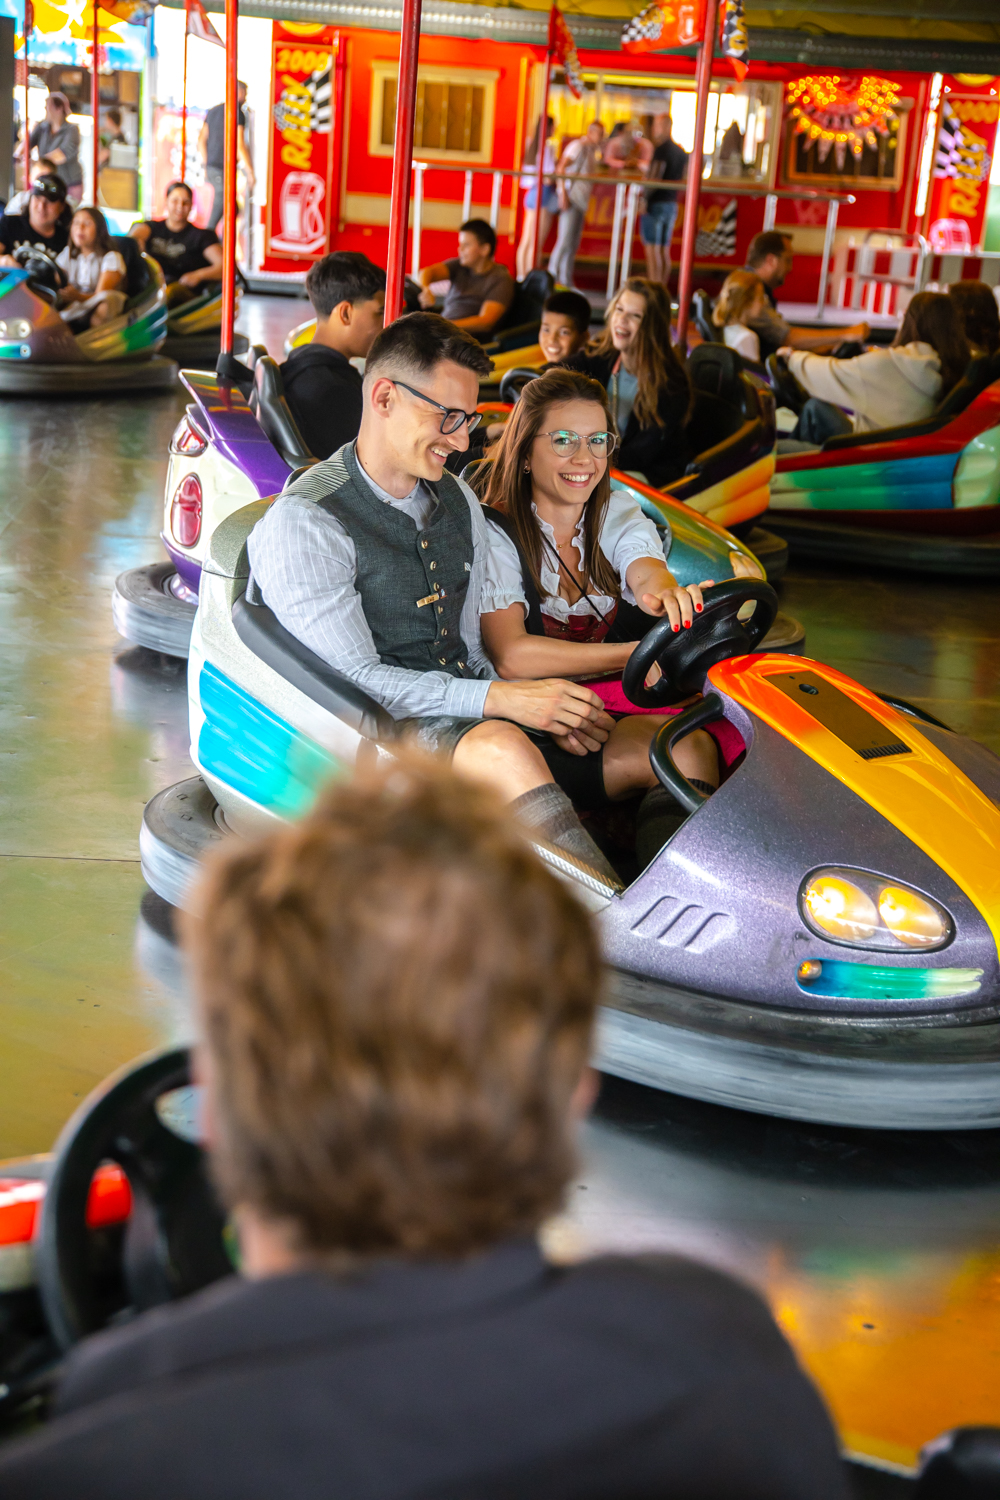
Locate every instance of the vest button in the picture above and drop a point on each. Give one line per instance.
(444, 630)
(440, 609)
(424, 545)
(443, 660)
(433, 565)
(461, 666)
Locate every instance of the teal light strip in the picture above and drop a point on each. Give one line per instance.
(252, 750)
(834, 979)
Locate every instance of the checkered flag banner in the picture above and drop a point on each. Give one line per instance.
(734, 42)
(719, 241)
(289, 112)
(643, 32)
(665, 24)
(947, 159)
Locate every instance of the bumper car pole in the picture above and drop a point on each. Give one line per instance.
(692, 193)
(402, 159)
(543, 121)
(95, 109)
(229, 183)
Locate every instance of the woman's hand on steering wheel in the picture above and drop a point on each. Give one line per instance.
(681, 604)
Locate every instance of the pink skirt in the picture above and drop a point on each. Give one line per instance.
(726, 736)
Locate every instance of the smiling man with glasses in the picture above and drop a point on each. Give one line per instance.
(375, 559)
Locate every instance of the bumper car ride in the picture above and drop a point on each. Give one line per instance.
(40, 355)
(924, 497)
(818, 939)
(193, 330)
(228, 451)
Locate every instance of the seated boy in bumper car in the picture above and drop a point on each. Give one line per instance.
(396, 1002)
(376, 560)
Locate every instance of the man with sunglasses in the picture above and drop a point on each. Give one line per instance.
(375, 559)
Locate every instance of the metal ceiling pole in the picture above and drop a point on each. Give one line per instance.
(29, 22)
(95, 109)
(695, 161)
(402, 158)
(229, 181)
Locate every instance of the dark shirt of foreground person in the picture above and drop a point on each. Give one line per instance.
(494, 1377)
(395, 1002)
(323, 390)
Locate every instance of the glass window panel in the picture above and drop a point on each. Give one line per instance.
(388, 112)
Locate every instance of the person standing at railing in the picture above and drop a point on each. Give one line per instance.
(656, 227)
(550, 197)
(579, 160)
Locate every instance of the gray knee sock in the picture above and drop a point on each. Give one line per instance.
(658, 819)
(548, 811)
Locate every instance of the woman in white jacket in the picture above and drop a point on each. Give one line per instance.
(884, 387)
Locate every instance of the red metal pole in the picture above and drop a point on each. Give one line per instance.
(695, 162)
(29, 21)
(543, 121)
(402, 158)
(229, 181)
(184, 105)
(95, 110)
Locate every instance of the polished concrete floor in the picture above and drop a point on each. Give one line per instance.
(879, 1254)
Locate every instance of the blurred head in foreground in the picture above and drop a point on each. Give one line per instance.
(396, 1002)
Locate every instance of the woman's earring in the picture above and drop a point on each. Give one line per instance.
(527, 468)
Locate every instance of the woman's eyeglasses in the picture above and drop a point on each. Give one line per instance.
(453, 417)
(567, 444)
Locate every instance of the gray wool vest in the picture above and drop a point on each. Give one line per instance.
(412, 584)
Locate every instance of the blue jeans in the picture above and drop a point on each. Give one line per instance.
(819, 420)
(656, 225)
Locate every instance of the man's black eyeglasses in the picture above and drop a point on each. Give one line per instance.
(453, 417)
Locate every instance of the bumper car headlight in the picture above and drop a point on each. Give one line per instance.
(865, 910)
(14, 328)
(916, 922)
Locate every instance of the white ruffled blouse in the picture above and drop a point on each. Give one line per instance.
(626, 535)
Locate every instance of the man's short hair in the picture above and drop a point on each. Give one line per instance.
(572, 305)
(396, 1000)
(485, 233)
(768, 242)
(344, 276)
(418, 342)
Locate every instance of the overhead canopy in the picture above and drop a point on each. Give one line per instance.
(925, 35)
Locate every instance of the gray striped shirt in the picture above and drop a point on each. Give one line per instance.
(305, 565)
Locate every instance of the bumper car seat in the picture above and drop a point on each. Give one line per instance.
(723, 398)
(519, 325)
(701, 317)
(268, 403)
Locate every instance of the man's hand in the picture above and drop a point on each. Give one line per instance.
(189, 279)
(746, 567)
(570, 712)
(7, 260)
(855, 335)
(427, 298)
(681, 604)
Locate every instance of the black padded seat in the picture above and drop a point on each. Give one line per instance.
(701, 317)
(723, 399)
(136, 272)
(520, 323)
(260, 631)
(982, 371)
(267, 400)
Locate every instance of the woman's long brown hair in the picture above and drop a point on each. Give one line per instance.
(510, 488)
(657, 366)
(931, 318)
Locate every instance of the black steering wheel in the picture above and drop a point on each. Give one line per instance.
(784, 384)
(514, 381)
(685, 656)
(41, 266)
(173, 1241)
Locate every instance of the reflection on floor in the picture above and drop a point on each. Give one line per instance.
(878, 1253)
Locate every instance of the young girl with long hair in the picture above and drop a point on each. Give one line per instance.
(635, 362)
(94, 270)
(976, 306)
(741, 300)
(575, 574)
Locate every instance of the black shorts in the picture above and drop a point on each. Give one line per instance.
(580, 776)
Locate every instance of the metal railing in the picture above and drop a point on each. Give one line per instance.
(628, 191)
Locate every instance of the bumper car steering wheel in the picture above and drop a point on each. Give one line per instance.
(784, 384)
(514, 381)
(173, 1242)
(41, 267)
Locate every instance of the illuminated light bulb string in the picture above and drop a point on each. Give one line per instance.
(837, 113)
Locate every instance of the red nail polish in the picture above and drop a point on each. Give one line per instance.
(677, 627)
(699, 607)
